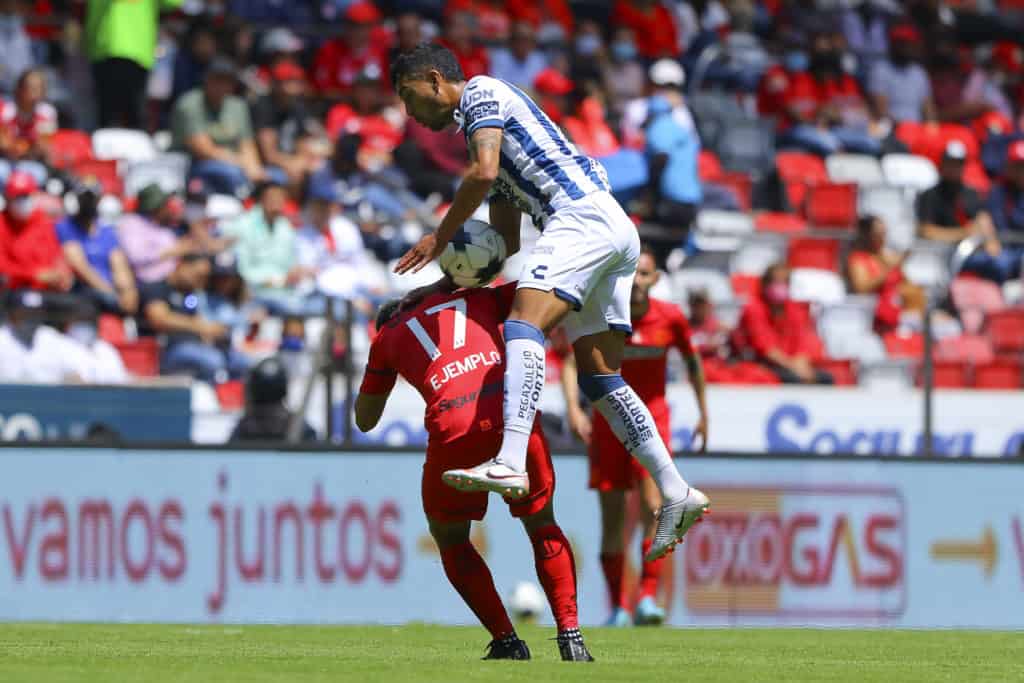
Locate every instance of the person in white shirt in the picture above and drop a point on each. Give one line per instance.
(30, 351)
(96, 360)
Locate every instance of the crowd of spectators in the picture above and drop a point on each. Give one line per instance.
(287, 172)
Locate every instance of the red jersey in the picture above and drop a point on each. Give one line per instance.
(337, 65)
(653, 29)
(450, 348)
(792, 332)
(28, 249)
(645, 361)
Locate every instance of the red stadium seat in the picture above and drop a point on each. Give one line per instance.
(1006, 330)
(810, 252)
(744, 285)
(971, 348)
(929, 140)
(974, 298)
(141, 357)
(976, 178)
(946, 374)
(741, 186)
(111, 328)
(69, 147)
(832, 205)
(843, 370)
(231, 394)
(904, 345)
(709, 168)
(999, 374)
(800, 171)
(772, 221)
(103, 172)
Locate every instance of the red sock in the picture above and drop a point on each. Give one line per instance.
(556, 569)
(469, 574)
(650, 572)
(614, 565)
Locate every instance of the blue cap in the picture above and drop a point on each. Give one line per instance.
(321, 187)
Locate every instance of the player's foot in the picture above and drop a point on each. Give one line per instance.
(619, 618)
(491, 476)
(648, 613)
(674, 520)
(572, 648)
(509, 647)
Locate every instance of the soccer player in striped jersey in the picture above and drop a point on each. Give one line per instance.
(579, 273)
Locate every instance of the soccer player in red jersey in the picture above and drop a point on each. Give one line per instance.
(657, 327)
(449, 346)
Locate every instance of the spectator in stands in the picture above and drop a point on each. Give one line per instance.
(551, 20)
(553, 88)
(899, 85)
(987, 86)
(652, 24)
(521, 61)
(460, 31)
(199, 47)
(93, 252)
(624, 78)
(96, 360)
(227, 299)
(266, 418)
(121, 43)
(672, 151)
(380, 125)
(341, 59)
(15, 45)
(30, 255)
(265, 246)
(148, 238)
(865, 31)
(408, 34)
(999, 258)
(874, 269)
(665, 79)
(779, 333)
(194, 344)
(213, 125)
(491, 19)
(951, 211)
(26, 125)
(281, 120)
(710, 337)
(29, 350)
(432, 160)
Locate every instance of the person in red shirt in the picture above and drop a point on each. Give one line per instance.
(459, 29)
(491, 17)
(657, 327)
(779, 333)
(449, 347)
(30, 255)
(381, 127)
(651, 23)
(340, 60)
(543, 15)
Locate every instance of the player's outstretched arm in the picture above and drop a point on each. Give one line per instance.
(485, 157)
(369, 408)
(695, 371)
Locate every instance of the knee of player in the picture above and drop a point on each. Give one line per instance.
(596, 387)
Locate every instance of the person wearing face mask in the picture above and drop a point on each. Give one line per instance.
(31, 351)
(92, 250)
(521, 61)
(899, 86)
(30, 255)
(622, 73)
(951, 211)
(96, 360)
(1001, 255)
(779, 333)
(652, 25)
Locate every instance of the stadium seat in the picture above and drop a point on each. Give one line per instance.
(221, 207)
(816, 286)
(757, 253)
(715, 283)
(976, 178)
(864, 346)
(833, 205)
(889, 374)
(811, 252)
(745, 285)
(141, 357)
(747, 145)
(971, 348)
(844, 319)
(718, 230)
(895, 208)
(974, 298)
(1005, 329)
(927, 267)
(1013, 292)
(946, 374)
(843, 370)
(911, 171)
(110, 328)
(900, 345)
(231, 394)
(740, 185)
(709, 168)
(69, 147)
(999, 374)
(102, 171)
(123, 144)
(713, 113)
(167, 174)
(776, 221)
(800, 171)
(859, 169)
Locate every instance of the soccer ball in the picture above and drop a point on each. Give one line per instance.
(526, 602)
(474, 256)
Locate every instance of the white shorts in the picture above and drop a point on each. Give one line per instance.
(587, 255)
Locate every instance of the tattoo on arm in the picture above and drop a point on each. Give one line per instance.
(486, 139)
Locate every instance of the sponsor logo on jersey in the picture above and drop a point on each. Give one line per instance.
(457, 368)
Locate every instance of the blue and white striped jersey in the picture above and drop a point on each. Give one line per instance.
(541, 171)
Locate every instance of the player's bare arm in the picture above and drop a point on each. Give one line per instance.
(695, 371)
(369, 408)
(484, 163)
(506, 219)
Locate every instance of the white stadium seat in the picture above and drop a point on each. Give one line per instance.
(717, 284)
(911, 171)
(123, 144)
(756, 254)
(854, 168)
(817, 286)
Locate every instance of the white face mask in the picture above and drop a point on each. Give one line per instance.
(22, 207)
(83, 332)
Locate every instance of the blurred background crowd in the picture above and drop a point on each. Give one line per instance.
(188, 186)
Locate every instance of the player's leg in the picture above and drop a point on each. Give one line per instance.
(613, 557)
(648, 613)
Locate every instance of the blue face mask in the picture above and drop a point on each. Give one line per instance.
(796, 61)
(588, 44)
(623, 52)
(290, 343)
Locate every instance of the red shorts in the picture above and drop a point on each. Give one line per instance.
(612, 467)
(443, 503)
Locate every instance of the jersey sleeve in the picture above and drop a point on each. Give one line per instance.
(380, 372)
(485, 103)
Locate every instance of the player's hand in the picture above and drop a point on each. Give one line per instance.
(424, 251)
(579, 423)
(700, 430)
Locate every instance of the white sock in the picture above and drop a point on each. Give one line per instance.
(633, 424)
(524, 382)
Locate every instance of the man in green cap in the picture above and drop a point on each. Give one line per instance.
(148, 238)
(121, 43)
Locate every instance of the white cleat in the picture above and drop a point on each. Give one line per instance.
(490, 476)
(674, 520)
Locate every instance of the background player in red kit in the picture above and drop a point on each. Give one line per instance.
(449, 347)
(657, 327)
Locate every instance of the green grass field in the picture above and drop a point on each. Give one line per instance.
(41, 653)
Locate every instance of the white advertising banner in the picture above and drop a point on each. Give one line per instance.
(94, 535)
(800, 419)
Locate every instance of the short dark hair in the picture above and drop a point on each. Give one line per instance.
(646, 248)
(424, 57)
